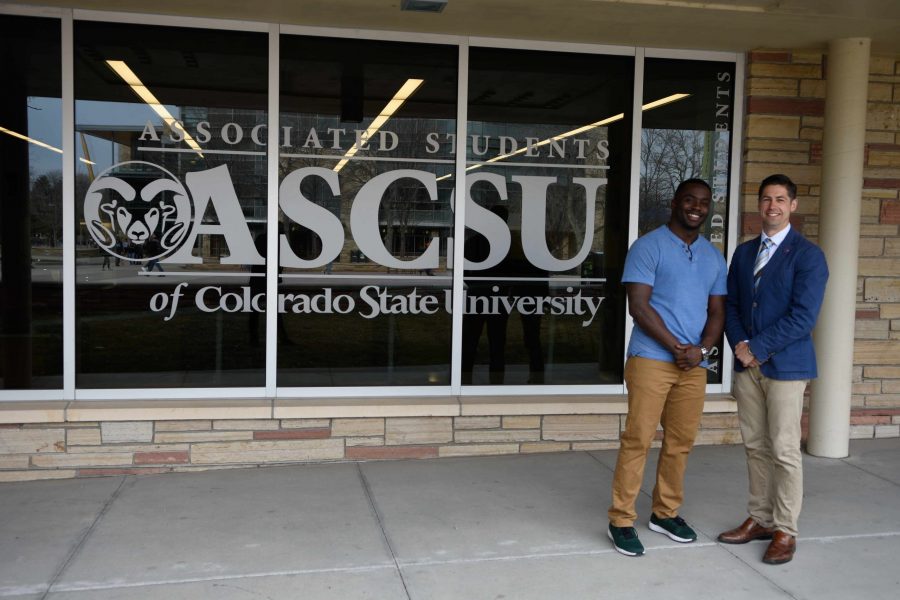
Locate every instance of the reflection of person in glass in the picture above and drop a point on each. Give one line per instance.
(532, 282)
(425, 249)
(676, 285)
(258, 286)
(477, 249)
(153, 249)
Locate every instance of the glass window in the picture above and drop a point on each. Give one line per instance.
(547, 154)
(367, 153)
(31, 355)
(687, 132)
(170, 207)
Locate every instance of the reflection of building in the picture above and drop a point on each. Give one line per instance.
(222, 76)
(408, 217)
(248, 171)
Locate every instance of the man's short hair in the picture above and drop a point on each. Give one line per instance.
(692, 181)
(779, 179)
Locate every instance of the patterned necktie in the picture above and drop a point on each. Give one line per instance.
(761, 259)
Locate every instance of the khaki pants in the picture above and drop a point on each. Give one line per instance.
(658, 392)
(769, 412)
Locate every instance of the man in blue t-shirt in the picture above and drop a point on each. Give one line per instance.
(676, 285)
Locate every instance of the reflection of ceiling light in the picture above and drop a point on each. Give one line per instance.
(606, 121)
(662, 101)
(766, 6)
(433, 6)
(128, 76)
(40, 143)
(402, 95)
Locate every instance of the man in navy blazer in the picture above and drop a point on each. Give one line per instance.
(775, 288)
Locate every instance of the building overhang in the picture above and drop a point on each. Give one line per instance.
(725, 25)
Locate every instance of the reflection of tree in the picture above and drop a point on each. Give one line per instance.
(46, 205)
(668, 157)
(406, 212)
(46, 208)
(405, 202)
(566, 223)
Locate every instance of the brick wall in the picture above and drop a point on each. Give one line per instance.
(785, 108)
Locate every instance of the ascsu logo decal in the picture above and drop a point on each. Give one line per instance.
(134, 216)
(139, 202)
(135, 200)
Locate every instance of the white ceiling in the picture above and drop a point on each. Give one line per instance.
(731, 25)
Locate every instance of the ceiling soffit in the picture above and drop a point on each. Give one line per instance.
(724, 25)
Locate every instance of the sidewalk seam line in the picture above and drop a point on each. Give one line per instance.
(598, 461)
(613, 471)
(84, 586)
(757, 571)
(78, 546)
(846, 462)
(378, 517)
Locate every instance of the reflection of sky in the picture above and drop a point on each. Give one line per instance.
(110, 115)
(45, 125)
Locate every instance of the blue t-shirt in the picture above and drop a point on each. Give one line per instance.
(683, 278)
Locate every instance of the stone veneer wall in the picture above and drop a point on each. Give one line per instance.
(785, 108)
(64, 450)
(783, 134)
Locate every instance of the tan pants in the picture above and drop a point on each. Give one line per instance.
(769, 412)
(658, 392)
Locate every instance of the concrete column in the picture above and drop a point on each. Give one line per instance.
(843, 147)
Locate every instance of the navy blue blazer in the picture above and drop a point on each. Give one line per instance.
(778, 317)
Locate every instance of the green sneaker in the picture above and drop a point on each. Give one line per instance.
(675, 528)
(625, 540)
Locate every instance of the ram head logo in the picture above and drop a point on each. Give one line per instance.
(116, 210)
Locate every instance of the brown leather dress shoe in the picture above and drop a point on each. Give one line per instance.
(748, 531)
(781, 549)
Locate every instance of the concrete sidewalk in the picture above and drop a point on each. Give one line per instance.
(514, 527)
